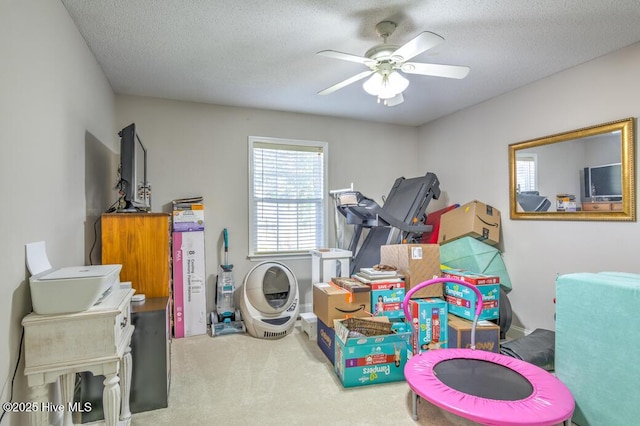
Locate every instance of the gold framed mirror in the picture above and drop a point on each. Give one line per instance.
(584, 174)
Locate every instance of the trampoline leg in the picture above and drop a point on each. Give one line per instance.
(414, 415)
(567, 422)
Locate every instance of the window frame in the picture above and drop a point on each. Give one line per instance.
(252, 141)
(528, 157)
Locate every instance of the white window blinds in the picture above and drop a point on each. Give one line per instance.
(526, 168)
(287, 196)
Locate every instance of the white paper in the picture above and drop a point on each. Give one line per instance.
(37, 260)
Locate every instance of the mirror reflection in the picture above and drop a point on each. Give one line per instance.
(586, 174)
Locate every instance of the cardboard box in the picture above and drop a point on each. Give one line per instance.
(326, 340)
(387, 298)
(487, 334)
(189, 279)
(371, 360)
(399, 325)
(474, 219)
(462, 300)
(333, 302)
(470, 277)
(188, 217)
(429, 321)
(566, 203)
(417, 262)
(475, 256)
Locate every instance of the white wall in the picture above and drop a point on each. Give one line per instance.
(599, 91)
(54, 100)
(198, 149)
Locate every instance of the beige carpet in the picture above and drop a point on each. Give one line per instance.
(241, 380)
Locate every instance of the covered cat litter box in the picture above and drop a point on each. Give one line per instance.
(269, 300)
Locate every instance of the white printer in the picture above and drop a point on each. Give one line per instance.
(68, 289)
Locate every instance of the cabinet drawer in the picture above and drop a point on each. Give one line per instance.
(594, 207)
(96, 333)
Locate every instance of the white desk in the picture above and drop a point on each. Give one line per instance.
(96, 340)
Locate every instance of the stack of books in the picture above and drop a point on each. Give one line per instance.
(351, 284)
(371, 275)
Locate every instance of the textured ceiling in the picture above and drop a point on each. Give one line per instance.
(262, 54)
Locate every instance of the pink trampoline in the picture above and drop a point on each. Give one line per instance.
(485, 387)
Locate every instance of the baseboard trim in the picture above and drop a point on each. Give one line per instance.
(516, 332)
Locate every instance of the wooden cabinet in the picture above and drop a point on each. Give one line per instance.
(140, 242)
(604, 206)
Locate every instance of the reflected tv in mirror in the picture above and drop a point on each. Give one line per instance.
(604, 182)
(133, 183)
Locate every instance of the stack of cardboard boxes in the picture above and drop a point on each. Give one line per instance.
(467, 235)
(440, 314)
(189, 278)
(331, 302)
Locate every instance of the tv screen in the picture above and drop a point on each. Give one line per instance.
(133, 183)
(605, 181)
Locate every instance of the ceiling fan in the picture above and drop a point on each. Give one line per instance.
(385, 61)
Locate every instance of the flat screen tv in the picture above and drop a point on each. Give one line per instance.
(604, 182)
(133, 184)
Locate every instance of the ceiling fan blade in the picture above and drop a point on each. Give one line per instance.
(435, 70)
(347, 57)
(422, 42)
(346, 82)
(396, 100)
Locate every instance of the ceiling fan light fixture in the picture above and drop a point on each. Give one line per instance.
(385, 86)
(374, 84)
(385, 61)
(396, 100)
(394, 83)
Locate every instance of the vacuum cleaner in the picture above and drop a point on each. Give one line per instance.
(226, 319)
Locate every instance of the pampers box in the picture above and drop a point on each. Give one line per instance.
(429, 324)
(189, 297)
(363, 361)
(462, 300)
(386, 299)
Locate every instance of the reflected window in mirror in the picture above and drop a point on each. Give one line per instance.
(526, 169)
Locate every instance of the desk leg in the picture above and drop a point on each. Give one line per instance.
(39, 394)
(111, 399)
(67, 384)
(125, 373)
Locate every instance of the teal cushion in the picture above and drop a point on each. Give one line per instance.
(475, 256)
(597, 342)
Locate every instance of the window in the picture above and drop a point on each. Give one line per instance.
(287, 202)
(526, 172)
